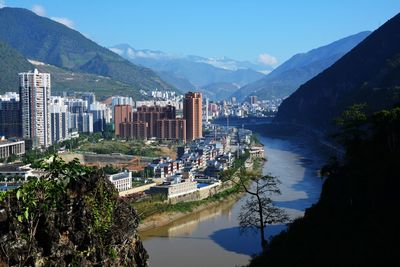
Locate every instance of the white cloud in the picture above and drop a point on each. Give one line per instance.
(267, 59)
(2, 3)
(39, 10)
(66, 21)
(117, 51)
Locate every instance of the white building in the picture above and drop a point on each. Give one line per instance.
(35, 90)
(122, 100)
(8, 148)
(172, 190)
(122, 181)
(59, 119)
(99, 113)
(8, 96)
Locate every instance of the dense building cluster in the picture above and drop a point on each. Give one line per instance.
(160, 122)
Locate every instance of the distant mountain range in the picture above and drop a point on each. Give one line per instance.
(42, 39)
(186, 72)
(300, 68)
(370, 73)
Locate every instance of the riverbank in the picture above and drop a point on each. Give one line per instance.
(182, 209)
(215, 231)
(166, 218)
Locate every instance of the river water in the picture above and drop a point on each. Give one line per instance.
(212, 237)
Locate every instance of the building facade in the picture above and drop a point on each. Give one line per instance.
(171, 129)
(192, 113)
(59, 119)
(134, 130)
(122, 113)
(35, 90)
(82, 122)
(10, 115)
(99, 116)
(122, 181)
(8, 148)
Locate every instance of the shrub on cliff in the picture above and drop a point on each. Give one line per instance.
(355, 222)
(70, 217)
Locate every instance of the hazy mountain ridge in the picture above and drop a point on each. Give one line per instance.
(370, 73)
(219, 91)
(286, 78)
(199, 71)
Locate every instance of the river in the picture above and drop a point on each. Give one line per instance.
(212, 237)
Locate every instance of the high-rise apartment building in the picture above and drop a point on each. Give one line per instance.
(122, 113)
(192, 113)
(171, 129)
(134, 130)
(253, 99)
(81, 122)
(150, 121)
(34, 94)
(10, 115)
(90, 98)
(59, 119)
(99, 116)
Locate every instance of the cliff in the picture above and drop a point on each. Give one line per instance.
(355, 222)
(70, 217)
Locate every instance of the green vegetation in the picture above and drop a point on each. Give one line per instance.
(117, 146)
(11, 63)
(354, 223)
(71, 216)
(71, 81)
(157, 204)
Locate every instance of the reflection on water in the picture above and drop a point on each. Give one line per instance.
(185, 226)
(212, 237)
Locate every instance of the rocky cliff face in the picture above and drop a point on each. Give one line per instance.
(71, 217)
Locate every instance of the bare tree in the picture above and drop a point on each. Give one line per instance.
(259, 210)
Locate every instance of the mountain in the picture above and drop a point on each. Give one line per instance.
(45, 40)
(353, 223)
(300, 68)
(370, 73)
(199, 71)
(11, 63)
(177, 81)
(63, 80)
(219, 91)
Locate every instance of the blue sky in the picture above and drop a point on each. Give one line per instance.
(240, 29)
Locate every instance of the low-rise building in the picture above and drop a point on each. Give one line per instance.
(172, 190)
(8, 148)
(11, 171)
(257, 152)
(122, 181)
